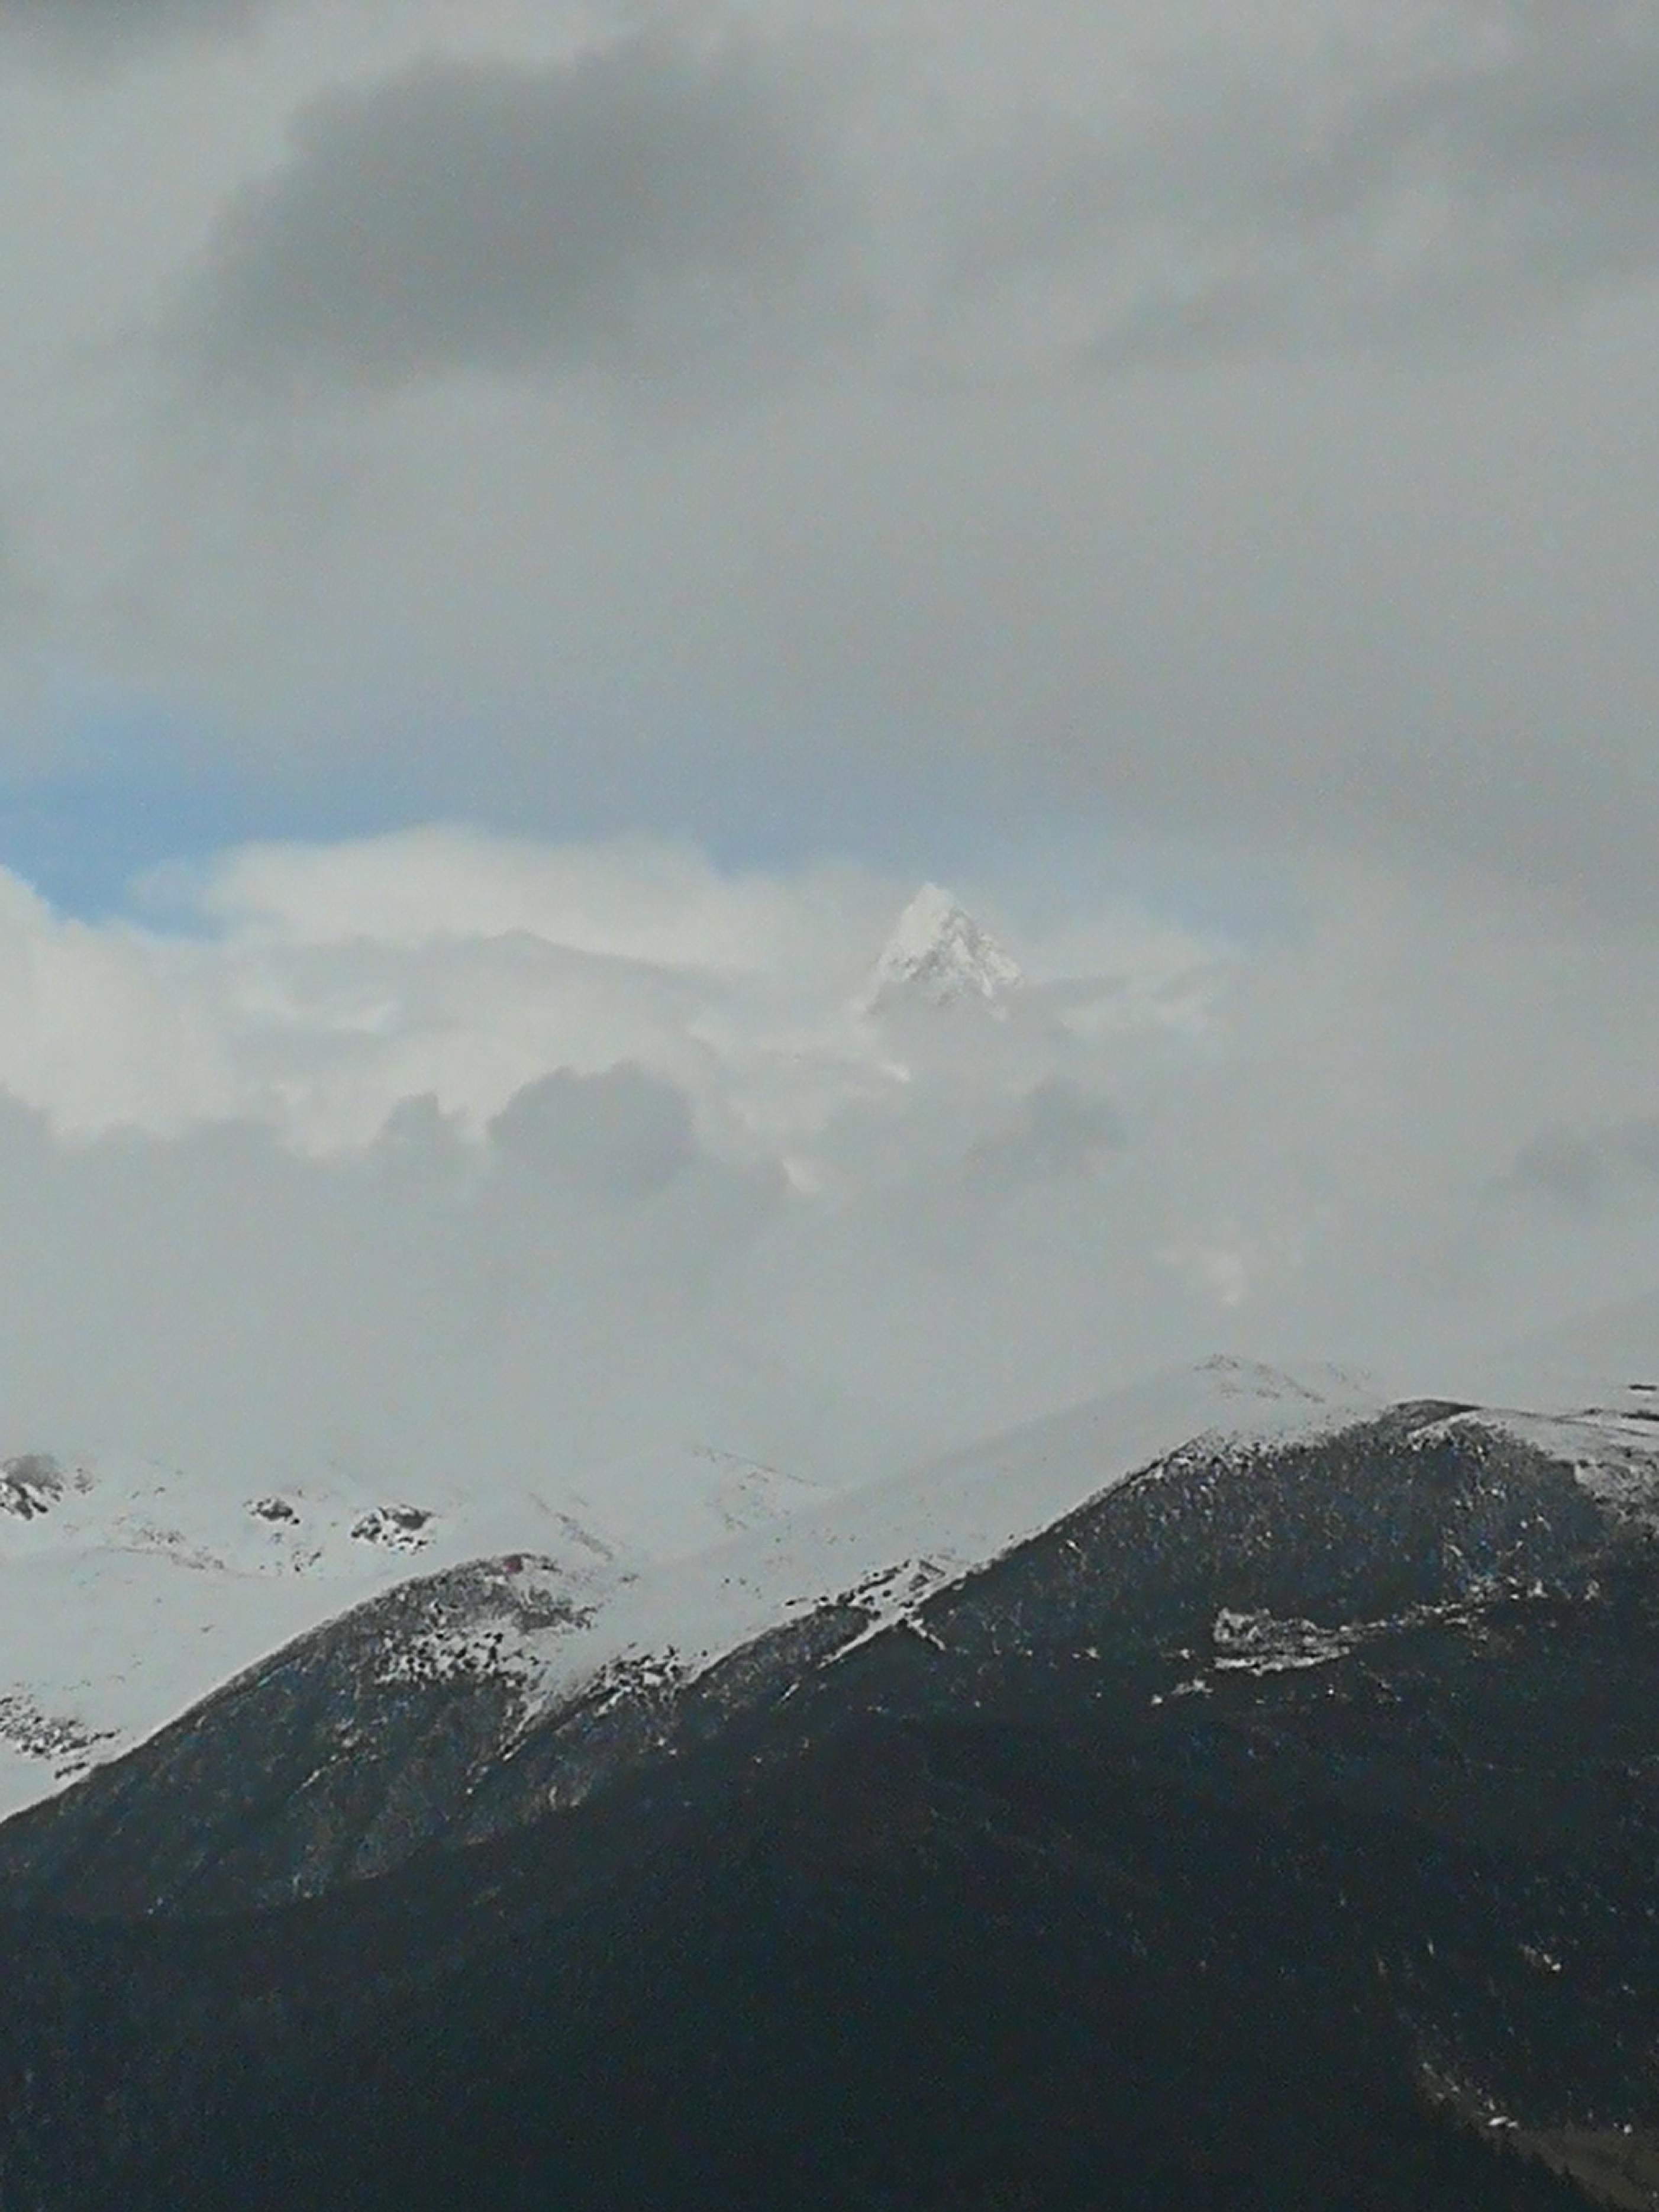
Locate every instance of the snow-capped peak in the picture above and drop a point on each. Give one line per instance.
(940, 953)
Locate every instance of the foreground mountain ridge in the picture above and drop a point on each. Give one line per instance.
(133, 1590)
(425, 1691)
(1272, 1823)
(457, 1705)
(1237, 1791)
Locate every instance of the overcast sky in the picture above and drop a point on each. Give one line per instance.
(526, 530)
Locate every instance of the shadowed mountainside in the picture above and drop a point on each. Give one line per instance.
(1280, 1830)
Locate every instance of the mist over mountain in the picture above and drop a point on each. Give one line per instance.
(440, 1150)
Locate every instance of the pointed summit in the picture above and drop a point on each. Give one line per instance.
(939, 952)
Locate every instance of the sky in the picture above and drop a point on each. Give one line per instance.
(527, 531)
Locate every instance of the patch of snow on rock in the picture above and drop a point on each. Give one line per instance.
(939, 952)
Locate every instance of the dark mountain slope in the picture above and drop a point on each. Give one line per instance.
(405, 1724)
(1255, 1838)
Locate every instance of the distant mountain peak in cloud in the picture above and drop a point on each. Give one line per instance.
(939, 952)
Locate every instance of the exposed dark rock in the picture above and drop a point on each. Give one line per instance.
(272, 1509)
(396, 1528)
(30, 1485)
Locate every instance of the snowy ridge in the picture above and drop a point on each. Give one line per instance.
(128, 1593)
(499, 1635)
(877, 1554)
(130, 1590)
(881, 1551)
(668, 1504)
(1612, 1448)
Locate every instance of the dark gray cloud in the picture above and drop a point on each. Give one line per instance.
(656, 203)
(619, 1133)
(1060, 1133)
(1508, 154)
(480, 215)
(89, 30)
(1389, 601)
(1587, 1169)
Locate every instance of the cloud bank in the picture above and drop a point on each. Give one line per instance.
(1333, 177)
(373, 1167)
(101, 32)
(1222, 428)
(1169, 461)
(618, 208)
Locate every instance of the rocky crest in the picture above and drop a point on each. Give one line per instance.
(939, 953)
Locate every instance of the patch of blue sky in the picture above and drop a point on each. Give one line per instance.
(138, 787)
(149, 792)
(757, 794)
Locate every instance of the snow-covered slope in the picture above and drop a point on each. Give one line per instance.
(885, 1547)
(464, 1703)
(669, 1504)
(874, 1553)
(129, 1589)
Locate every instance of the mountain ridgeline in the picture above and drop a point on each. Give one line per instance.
(1277, 1827)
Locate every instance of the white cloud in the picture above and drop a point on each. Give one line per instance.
(640, 898)
(98, 1027)
(317, 1180)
